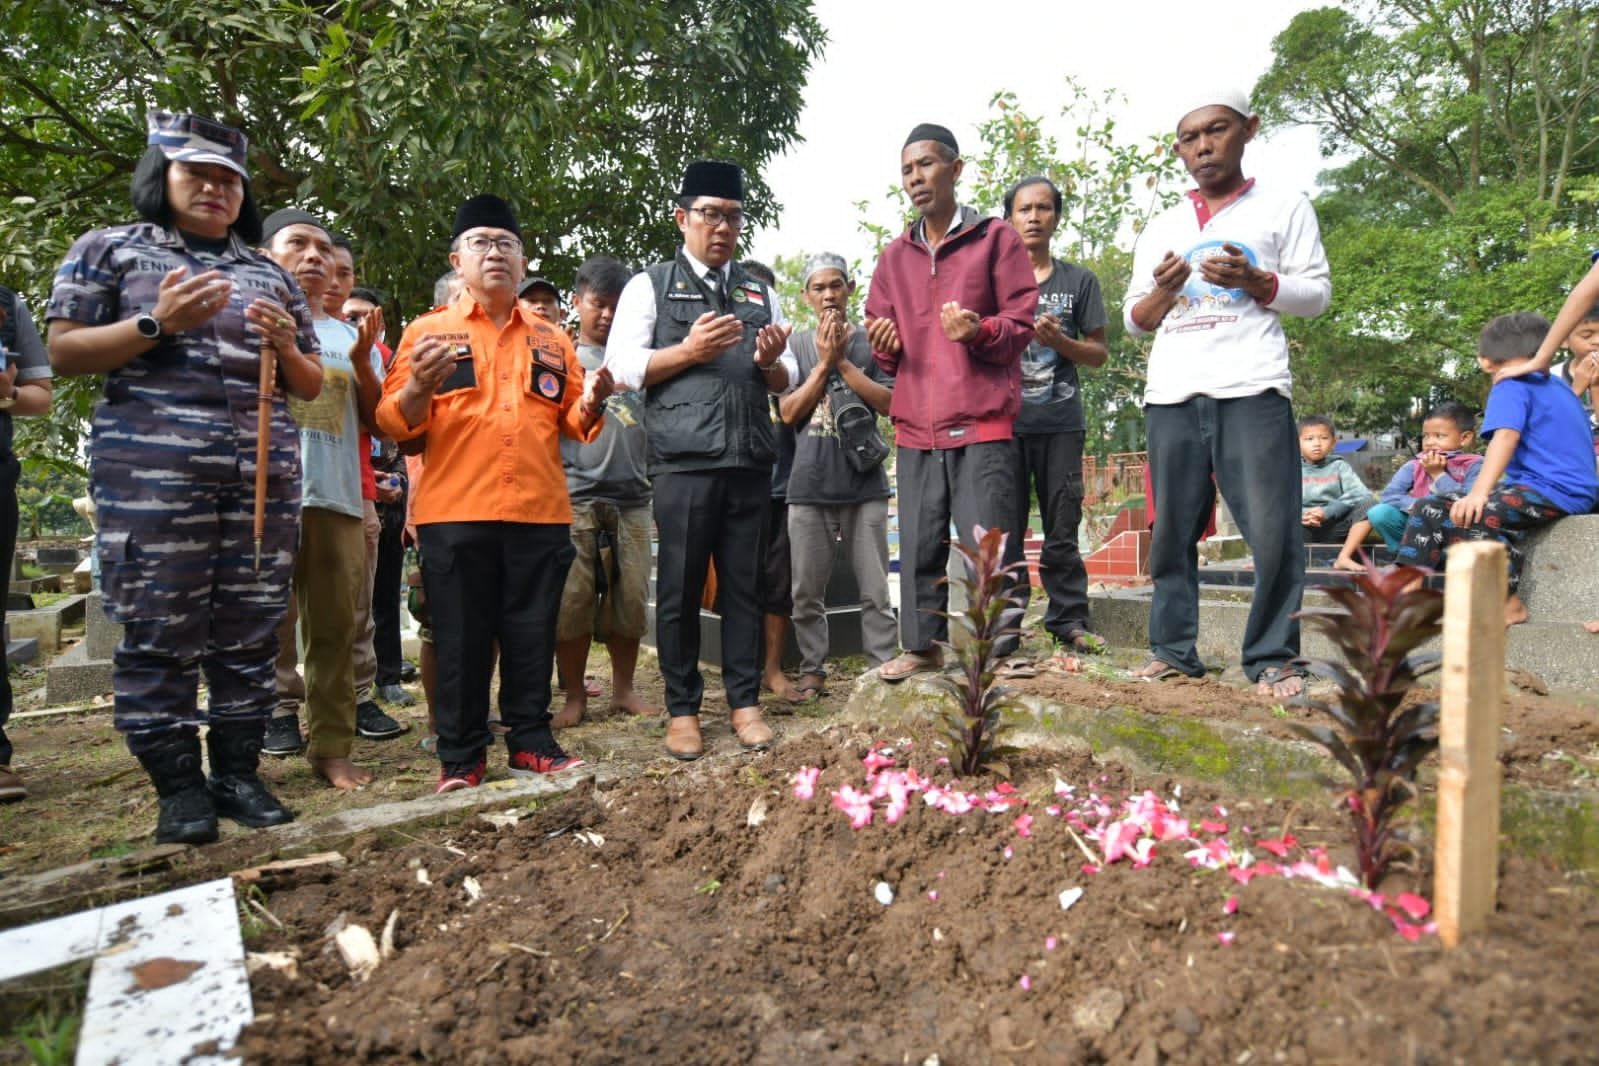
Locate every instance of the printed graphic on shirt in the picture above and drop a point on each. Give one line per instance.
(1039, 360)
(1203, 305)
(626, 406)
(326, 413)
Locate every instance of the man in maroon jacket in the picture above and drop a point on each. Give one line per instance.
(950, 313)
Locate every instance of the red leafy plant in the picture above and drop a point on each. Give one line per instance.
(1378, 622)
(992, 612)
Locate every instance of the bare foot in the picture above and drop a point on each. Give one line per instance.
(781, 687)
(1351, 565)
(1592, 627)
(633, 703)
(1156, 670)
(812, 685)
(1281, 683)
(340, 773)
(1515, 611)
(571, 712)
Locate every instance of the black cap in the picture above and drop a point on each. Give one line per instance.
(286, 217)
(725, 181)
(929, 131)
(537, 283)
(487, 210)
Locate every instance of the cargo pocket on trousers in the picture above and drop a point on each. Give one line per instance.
(124, 576)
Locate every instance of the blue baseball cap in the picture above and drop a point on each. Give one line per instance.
(185, 138)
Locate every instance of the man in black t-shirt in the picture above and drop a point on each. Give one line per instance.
(829, 498)
(1049, 429)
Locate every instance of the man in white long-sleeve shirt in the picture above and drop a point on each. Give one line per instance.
(1212, 277)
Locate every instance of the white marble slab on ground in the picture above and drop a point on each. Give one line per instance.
(168, 974)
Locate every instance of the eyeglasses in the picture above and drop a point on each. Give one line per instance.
(715, 216)
(478, 244)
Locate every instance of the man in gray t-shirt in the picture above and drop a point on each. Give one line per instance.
(1049, 428)
(607, 588)
(24, 390)
(829, 498)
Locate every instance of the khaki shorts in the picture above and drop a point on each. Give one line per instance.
(617, 539)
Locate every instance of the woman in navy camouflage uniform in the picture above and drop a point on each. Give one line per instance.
(174, 311)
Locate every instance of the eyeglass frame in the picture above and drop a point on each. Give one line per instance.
(735, 219)
(496, 243)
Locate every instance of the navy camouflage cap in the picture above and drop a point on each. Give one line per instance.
(185, 138)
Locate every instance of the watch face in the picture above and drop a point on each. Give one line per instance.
(148, 326)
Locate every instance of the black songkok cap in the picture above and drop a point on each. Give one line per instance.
(485, 210)
(929, 131)
(289, 216)
(725, 181)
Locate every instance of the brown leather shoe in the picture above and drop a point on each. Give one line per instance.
(683, 737)
(752, 730)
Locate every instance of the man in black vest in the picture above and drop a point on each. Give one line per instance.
(707, 343)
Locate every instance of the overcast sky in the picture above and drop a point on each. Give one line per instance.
(891, 64)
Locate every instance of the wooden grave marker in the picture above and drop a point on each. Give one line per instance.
(1466, 866)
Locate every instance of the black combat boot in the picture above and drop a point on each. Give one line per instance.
(188, 815)
(238, 792)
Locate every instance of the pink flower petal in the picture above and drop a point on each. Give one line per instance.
(1413, 905)
(1024, 824)
(805, 782)
(1050, 943)
(1008, 852)
(1213, 827)
(1231, 906)
(1090, 868)
(1226, 938)
(933, 895)
(1026, 983)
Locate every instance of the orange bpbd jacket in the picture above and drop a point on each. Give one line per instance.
(493, 428)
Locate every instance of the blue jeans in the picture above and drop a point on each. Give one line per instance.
(1249, 444)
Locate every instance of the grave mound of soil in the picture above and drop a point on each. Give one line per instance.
(710, 915)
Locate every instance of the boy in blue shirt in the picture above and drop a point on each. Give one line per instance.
(1538, 444)
(1443, 468)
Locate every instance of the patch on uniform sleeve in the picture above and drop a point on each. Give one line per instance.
(547, 352)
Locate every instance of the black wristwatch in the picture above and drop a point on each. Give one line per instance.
(149, 327)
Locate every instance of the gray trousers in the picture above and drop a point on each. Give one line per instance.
(974, 486)
(814, 531)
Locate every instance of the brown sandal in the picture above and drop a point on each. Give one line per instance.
(909, 664)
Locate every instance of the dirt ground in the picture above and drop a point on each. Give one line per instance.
(705, 913)
(712, 916)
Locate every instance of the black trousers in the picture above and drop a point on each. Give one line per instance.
(1052, 465)
(10, 472)
(386, 592)
(971, 486)
(487, 582)
(718, 515)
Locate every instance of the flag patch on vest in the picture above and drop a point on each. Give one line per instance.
(751, 292)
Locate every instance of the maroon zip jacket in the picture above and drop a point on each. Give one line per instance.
(948, 394)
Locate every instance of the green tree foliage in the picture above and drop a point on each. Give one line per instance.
(1471, 131)
(1111, 185)
(384, 116)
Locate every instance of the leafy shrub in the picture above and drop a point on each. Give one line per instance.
(992, 613)
(1380, 620)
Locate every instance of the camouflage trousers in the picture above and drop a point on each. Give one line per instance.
(176, 552)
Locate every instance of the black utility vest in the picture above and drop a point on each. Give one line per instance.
(713, 416)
